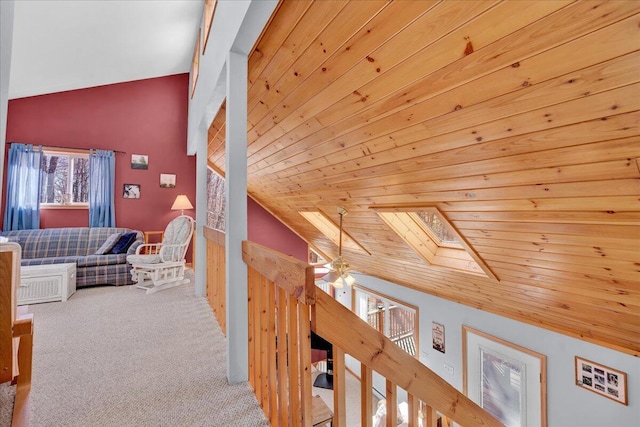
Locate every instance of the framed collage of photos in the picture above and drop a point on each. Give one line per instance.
(602, 380)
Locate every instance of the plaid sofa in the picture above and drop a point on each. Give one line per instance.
(78, 245)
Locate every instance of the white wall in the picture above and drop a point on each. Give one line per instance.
(236, 26)
(567, 404)
(6, 40)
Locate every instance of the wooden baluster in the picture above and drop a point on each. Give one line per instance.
(294, 362)
(283, 379)
(252, 320)
(430, 417)
(366, 396)
(305, 363)
(392, 404)
(412, 411)
(271, 353)
(339, 384)
(264, 346)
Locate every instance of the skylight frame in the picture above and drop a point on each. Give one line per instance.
(405, 222)
(432, 233)
(331, 230)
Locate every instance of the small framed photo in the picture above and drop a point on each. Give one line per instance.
(602, 380)
(167, 180)
(437, 333)
(139, 161)
(131, 191)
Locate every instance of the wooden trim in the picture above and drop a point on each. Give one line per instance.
(215, 236)
(209, 12)
(195, 64)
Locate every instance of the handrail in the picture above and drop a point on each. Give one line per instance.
(280, 291)
(16, 334)
(294, 276)
(284, 307)
(379, 353)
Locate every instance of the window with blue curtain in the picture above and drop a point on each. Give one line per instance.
(102, 170)
(22, 206)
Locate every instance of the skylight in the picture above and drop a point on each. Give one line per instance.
(327, 227)
(432, 237)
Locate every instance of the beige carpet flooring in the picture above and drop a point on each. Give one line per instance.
(114, 356)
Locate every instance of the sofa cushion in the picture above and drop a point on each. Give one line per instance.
(123, 244)
(50, 260)
(94, 260)
(60, 242)
(108, 244)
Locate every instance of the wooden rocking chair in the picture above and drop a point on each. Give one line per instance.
(16, 334)
(158, 266)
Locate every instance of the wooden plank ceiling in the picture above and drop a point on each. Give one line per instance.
(518, 120)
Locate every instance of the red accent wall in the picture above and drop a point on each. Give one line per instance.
(140, 117)
(265, 229)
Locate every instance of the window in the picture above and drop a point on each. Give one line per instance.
(65, 179)
(427, 231)
(395, 320)
(327, 227)
(215, 200)
(437, 229)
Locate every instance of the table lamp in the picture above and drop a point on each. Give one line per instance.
(182, 202)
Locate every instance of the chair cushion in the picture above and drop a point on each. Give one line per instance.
(144, 259)
(108, 244)
(123, 243)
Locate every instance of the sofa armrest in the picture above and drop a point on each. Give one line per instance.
(133, 249)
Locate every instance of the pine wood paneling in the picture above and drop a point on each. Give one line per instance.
(518, 120)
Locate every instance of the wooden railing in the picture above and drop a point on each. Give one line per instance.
(283, 309)
(16, 334)
(281, 291)
(216, 291)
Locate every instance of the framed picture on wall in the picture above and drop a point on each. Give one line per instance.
(437, 334)
(167, 180)
(139, 161)
(131, 191)
(601, 379)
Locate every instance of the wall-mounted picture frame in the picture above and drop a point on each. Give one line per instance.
(437, 335)
(131, 191)
(601, 379)
(167, 180)
(139, 161)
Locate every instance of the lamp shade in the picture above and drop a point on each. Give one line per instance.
(181, 203)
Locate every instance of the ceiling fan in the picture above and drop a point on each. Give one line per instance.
(339, 276)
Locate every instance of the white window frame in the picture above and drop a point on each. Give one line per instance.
(71, 154)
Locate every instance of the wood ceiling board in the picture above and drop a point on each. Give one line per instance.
(526, 139)
(431, 85)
